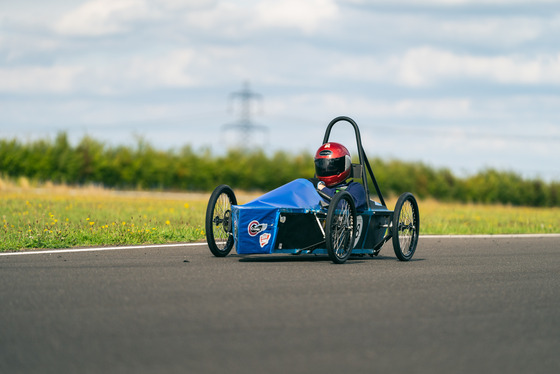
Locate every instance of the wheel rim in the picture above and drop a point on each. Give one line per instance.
(221, 223)
(407, 227)
(342, 229)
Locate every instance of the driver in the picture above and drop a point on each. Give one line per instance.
(332, 168)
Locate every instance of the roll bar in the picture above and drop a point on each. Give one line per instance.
(361, 155)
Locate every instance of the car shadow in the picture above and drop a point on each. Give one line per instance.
(356, 259)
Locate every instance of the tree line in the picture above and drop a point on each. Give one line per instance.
(144, 167)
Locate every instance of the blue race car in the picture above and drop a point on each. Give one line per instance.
(297, 218)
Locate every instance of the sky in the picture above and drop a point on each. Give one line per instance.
(459, 84)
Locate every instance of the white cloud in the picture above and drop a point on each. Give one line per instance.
(185, 4)
(108, 17)
(134, 74)
(499, 32)
(37, 79)
(224, 18)
(441, 109)
(305, 15)
(235, 19)
(427, 66)
(450, 2)
(170, 70)
(126, 75)
(102, 17)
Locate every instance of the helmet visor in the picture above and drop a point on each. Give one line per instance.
(326, 167)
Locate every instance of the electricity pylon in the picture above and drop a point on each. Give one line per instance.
(244, 129)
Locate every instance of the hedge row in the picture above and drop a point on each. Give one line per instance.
(144, 167)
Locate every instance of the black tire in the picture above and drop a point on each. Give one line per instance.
(405, 226)
(219, 223)
(340, 227)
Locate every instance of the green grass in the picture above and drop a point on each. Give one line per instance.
(61, 217)
(454, 218)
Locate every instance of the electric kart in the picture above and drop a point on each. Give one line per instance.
(297, 218)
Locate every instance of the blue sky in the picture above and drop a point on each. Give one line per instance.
(453, 83)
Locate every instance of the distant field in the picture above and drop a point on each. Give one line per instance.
(62, 217)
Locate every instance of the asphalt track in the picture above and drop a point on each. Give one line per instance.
(463, 305)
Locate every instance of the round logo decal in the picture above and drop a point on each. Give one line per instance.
(255, 227)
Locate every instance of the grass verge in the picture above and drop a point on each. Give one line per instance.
(62, 217)
(51, 218)
(472, 219)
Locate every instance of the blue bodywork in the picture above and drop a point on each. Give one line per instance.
(287, 220)
(256, 223)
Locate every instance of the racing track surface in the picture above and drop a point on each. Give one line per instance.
(463, 305)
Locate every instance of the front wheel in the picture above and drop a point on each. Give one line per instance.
(219, 221)
(405, 226)
(340, 227)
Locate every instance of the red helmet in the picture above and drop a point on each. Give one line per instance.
(332, 163)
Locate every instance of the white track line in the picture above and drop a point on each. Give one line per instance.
(98, 249)
(488, 236)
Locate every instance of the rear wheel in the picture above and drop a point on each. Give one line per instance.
(405, 226)
(219, 223)
(340, 227)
